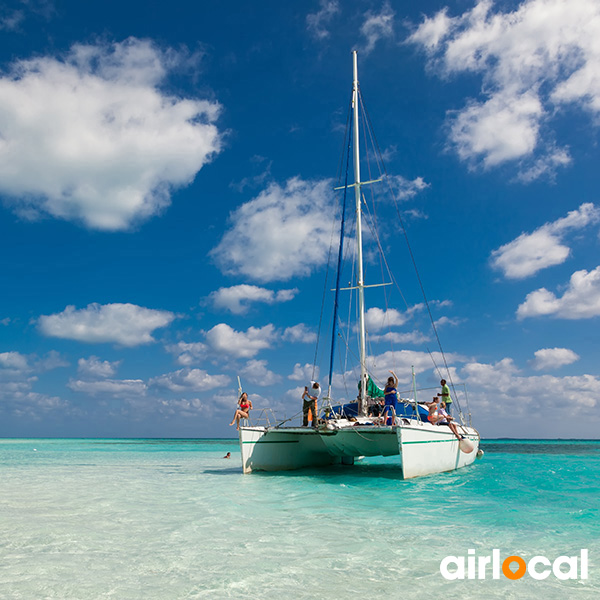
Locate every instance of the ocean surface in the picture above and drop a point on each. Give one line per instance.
(171, 519)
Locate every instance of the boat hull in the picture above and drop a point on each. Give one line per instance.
(423, 449)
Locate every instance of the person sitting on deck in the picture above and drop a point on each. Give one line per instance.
(445, 419)
(243, 410)
(391, 399)
(433, 417)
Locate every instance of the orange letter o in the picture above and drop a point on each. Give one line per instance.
(520, 569)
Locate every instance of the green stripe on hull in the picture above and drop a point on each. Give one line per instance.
(433, 441)
(272, 442)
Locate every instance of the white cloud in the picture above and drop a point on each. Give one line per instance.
(96, 368)
(196, 380)
(31, 405)
(237, 298)
(124, 324)
(15, 361)
(394, 337)
(225, 340)
(581, 299)
(106, 144)
(299, 333)
(402, 361)
(113, 387)
(317, 22)
(256, 372)
(444, 321)
(504, 402)
(282, 233)
(532, 61)
(503, 128)
(406, 188)
(188, 353)
(303, 373)
(553, 358)
(377, 26)
(531, 252)
(377, 319)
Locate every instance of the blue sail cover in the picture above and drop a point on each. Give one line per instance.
(402, 410)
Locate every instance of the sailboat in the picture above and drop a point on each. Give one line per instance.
(348, 432)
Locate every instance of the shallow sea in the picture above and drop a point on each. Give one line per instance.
(172, 519)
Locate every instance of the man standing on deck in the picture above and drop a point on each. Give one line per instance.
(310, 397)
(445, 396)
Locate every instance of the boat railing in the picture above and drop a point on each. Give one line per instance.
(264, 417)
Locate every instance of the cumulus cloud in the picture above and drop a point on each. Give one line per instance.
(95, 368)
(533, 61)
(504, 128)
(560, 398)
(444, 321)
(377, 26)
(237, 298)
(317, 23)
(283, 233)
(225, 340)
(188, 353)
(581, 299)
(299, 333)
(394, 337)
(303, 372)
(406, 188)
(113, 387)
(403, 361)
(14, 361)
(16, 386)
(124, 324)
(196, 380)
(553, 358)
(377, 319)
(257, 372)
(106, 143)
(532, 252)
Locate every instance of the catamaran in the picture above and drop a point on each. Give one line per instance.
(351, 431)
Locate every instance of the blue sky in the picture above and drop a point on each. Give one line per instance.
(166, 187)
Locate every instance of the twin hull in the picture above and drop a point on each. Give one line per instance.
(423, 448)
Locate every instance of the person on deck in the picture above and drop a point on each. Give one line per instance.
(243, 410)
(433, 417)
(391, 399)
(445, 395)
(310, 397)
(446, 419)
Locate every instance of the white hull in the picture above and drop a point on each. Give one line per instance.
(423, 449)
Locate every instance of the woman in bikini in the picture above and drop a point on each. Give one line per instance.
(243, 410)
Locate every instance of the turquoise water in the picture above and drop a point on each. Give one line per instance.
(170, 519)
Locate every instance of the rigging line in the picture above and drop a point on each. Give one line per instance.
(325, 286)
(441, 377)
(346, 137)
(384, 262)
(368, 135)
(412, 255)
(348, 122)
(339, 265)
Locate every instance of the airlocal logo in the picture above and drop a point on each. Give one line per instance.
(514, 567)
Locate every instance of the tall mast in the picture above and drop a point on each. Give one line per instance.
(362, 404)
